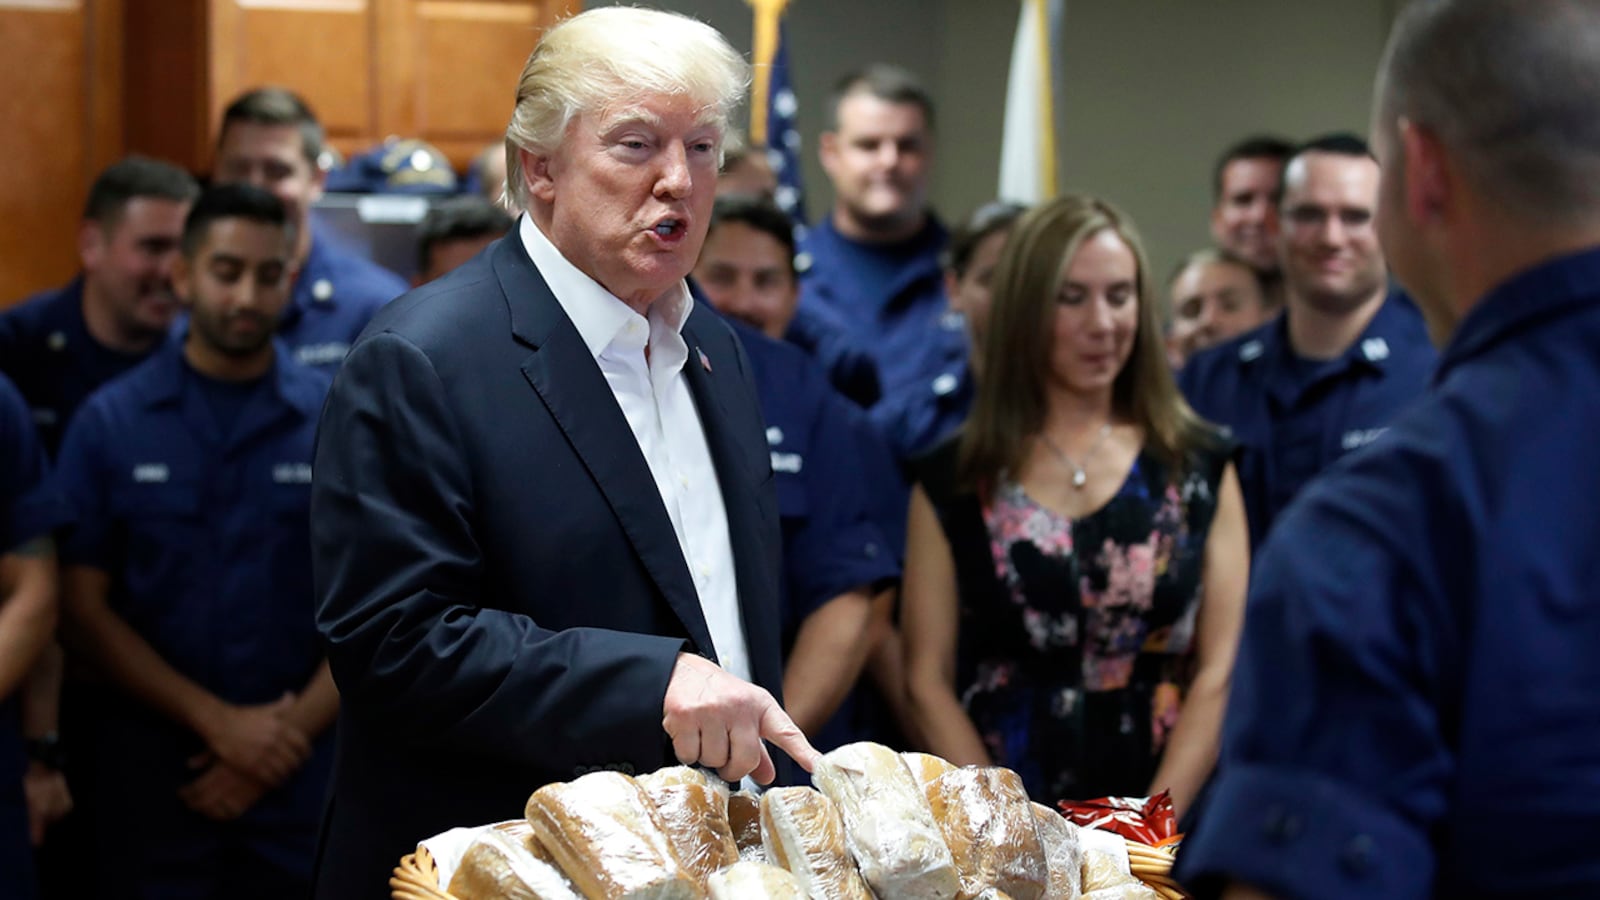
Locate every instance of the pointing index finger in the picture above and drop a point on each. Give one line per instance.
(777, 727)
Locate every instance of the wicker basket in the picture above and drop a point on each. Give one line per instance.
(417, 878)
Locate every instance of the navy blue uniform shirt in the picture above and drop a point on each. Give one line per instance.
(46, 349)
(825, 472)
(852, 371)
(184, 517)
(29, 508)
(1416, 703)
(890, 297)
(205, 536)
(1292, 417)
(921, 416)
(335, 295)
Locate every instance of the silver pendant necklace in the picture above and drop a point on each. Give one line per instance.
(1079, 476)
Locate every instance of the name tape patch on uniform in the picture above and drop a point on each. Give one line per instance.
(787, 462)
(151, 473)
(322, 354)
(292, 473)
(1360, 437)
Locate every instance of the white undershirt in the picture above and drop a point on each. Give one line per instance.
(655, 399)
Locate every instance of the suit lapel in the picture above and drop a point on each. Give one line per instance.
(710, 379)
(570, 384)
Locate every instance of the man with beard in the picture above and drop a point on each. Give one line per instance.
(187, 583)
(1346, 357)
(60, 345)
(270, 138)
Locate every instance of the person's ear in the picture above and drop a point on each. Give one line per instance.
(1429, 190)
(319, 182)
(828, 150)
(539, 175)
(92, 240)
(182, 273)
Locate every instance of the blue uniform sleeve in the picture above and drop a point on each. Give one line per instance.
(850, 367)
(887, 484)
(1190, 377)
(29, 500)
(842, 546)
(82, 483)
(1335, 763)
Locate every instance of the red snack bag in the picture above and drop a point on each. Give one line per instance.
(1148, 820)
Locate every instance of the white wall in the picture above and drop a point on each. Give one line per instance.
(1153, 89)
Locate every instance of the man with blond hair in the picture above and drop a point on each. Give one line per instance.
(544, 532)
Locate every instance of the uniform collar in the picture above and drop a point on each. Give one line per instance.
(67, 308)
(599, 315)
(1384, 336)
(169, 371)
(825, 249)
(1546, 290)
(313, 284)
(932, 234)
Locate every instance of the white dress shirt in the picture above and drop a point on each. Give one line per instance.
(655, 399)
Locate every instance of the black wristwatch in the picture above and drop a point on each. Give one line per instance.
(46, 750)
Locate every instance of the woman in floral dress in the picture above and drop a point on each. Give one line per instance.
(1077, 556)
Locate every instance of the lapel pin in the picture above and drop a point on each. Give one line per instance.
(705, 361)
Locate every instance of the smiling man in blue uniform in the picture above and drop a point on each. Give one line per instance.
(188, 583)
(1347, 356)
(1415, 709)
(60, 345)
(271, 139)
(874, 259)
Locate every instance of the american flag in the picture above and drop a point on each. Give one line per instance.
(783, 133)
(773, 125)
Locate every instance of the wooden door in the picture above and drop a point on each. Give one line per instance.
(441, 70)
(448, 68)
(60, 107)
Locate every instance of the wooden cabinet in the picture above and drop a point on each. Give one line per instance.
(89, 80)
(441, 70)
(61, 109)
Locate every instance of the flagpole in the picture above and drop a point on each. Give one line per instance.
(764, 46)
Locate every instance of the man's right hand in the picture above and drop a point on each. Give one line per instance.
(719, 721)
(258, 741)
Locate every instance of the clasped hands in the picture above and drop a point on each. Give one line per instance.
(250, 750)
(721, 722)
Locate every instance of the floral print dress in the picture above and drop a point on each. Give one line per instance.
(1077, 634)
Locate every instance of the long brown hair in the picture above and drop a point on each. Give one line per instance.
(1010, 406)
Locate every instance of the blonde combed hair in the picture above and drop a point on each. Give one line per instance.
(610, 56)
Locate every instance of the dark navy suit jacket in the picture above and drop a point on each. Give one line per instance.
(498, 582)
